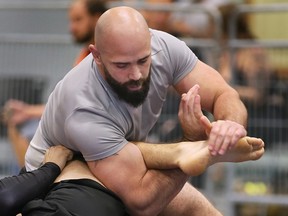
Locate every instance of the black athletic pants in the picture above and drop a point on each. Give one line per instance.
(81, 197)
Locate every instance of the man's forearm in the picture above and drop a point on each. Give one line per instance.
(232, 109)
(159, 188)
(16, 191)
(147, 191)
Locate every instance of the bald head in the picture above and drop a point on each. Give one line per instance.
(120, 25)
(122, 52)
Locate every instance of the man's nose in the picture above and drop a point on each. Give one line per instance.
(135, 73)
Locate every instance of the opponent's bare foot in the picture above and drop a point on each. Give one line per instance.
(194, 162)
(247, 148)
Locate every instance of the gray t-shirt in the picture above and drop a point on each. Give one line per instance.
(84, 114)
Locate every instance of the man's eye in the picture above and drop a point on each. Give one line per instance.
(121, 65)
(143, 61)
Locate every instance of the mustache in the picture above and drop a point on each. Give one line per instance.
(134, 82)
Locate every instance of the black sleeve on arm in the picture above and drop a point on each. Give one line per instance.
(16, 191)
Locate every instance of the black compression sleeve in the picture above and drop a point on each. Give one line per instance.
(16, 191)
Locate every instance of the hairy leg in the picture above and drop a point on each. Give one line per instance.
(190, 202)
(194, 162)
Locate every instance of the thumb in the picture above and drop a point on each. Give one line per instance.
(205, 122)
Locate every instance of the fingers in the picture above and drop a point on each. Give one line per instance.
(190, 113)
(187, 100)
(224, 135)
(58, 155)
(205, 122)
(197, 107)
(15, 112)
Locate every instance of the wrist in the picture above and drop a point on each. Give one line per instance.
(53, 166)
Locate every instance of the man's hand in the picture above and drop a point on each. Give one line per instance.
(58, 155)
(189, 115)
(222, 134)
(14, 112)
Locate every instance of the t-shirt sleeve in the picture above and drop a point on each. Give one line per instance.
(16, 191)
(95, 134)
(180, 59)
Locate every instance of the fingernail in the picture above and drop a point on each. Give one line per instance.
(221, 152)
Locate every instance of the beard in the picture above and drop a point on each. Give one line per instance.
(134, 98)
(86, 38)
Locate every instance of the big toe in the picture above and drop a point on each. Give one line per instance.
(256, 143)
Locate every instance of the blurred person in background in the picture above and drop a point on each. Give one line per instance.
(21, 118)
(168, 21)
(201, 24)
(83, 16)
(164, 20)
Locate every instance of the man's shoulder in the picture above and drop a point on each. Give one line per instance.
(163, 41)
(158, 34)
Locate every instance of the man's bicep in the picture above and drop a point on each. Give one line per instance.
(201, 75)
(140, 189)
(94, 136)
(121, 172)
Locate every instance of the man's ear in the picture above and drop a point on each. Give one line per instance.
(95, 53)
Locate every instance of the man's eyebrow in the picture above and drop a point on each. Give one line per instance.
(145, 57)
(120, 62)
